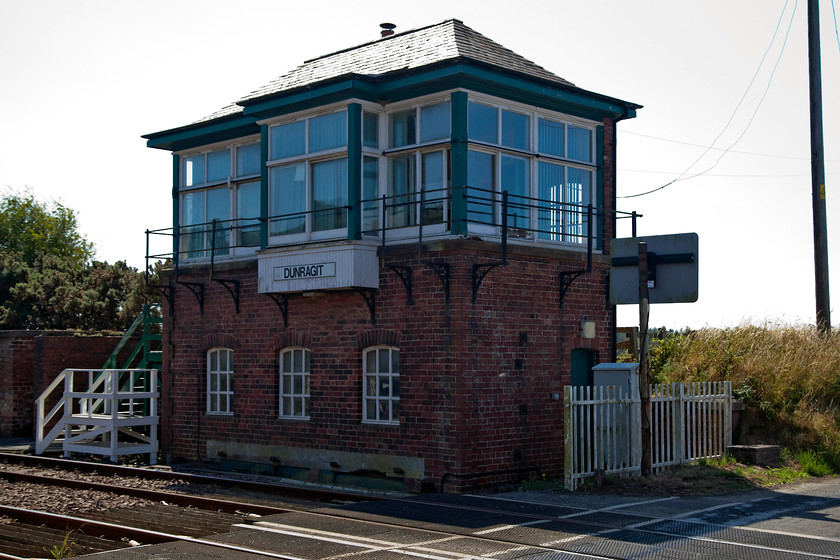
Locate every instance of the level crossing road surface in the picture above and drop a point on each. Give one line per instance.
(800, 522)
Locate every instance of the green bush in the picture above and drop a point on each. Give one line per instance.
(788, 378)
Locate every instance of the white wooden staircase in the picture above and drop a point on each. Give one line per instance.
(108, 412)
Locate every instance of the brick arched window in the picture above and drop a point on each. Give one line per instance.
(381, 385)
(294, 383)
(220, 381)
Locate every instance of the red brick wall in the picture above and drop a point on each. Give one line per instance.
(30, 360)
(476, 380)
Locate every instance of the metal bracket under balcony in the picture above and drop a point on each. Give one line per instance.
(405, 275)
(370, 298)
(283, 303)
(444, 272)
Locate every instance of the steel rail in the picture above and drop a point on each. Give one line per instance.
(280, 489)
(185, 500)
(118, 532)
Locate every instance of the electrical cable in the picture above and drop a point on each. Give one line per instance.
(742, 152)
(836, 34)
(682, 177)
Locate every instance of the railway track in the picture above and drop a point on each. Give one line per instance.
(449, 528)
(172, 505)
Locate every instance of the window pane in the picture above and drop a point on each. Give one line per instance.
(550, 215)
(370, 406)
(287, 140)
(395, 361)
(578, 193)
(370, 361)
(287, 362)
(370, 389)
(218, 165)
(434, 122)
(395, 410)
(306, 366)
(327, 132)
(248, 206)
(580, 143)
(370, 194)
(551, 137)
(384, 410)
(223, 382)
(297, 385)
(482, 123)
(287, 197)
(401, 202)
(193, 170)
(193, 212)
(384, 386)
(395, 386)
(218, 208)
(214, 382)
(516, 130)
(247, 160)
(287, 384)
(384, 360)
(298, 361)
(287, 406)
(370, 135)
(480, 171)
(515, 180)
(434, 181)
(329, 194)
(222, 361)
(403, 128)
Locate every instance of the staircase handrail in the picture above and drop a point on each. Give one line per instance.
(111, 362)
(43, 419)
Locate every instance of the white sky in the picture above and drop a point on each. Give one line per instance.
(83, 80)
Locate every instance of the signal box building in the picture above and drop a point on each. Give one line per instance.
(387, 264)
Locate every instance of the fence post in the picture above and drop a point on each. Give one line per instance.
(568, 439)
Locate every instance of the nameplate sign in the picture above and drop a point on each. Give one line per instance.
(304, 271)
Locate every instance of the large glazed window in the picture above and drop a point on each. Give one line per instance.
(220, 381)
(220, 186)
(294, 383)
(381, 374)
(418, 167)
(307, 178)
(546, 165)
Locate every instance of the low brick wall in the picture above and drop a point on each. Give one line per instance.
(30, 360)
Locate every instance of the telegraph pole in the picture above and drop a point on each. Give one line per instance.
(818, 171)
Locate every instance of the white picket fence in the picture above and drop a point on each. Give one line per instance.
(689, 421)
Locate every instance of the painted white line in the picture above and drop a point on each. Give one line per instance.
(618, 506)
(506, 527)
(369, 545)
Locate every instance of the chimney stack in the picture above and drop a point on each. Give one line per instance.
(387, 29)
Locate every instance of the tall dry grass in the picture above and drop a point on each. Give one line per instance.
(788, 377)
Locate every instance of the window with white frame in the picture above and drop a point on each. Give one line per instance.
(381, 378)
(220, 185)
(418, 166)
(546, 165)
(294, 383)
(220, 381)
(307, 177)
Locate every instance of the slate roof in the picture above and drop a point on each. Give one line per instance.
(446, 41)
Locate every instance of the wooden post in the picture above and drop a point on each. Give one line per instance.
(644, 368)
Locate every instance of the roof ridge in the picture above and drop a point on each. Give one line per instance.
(382, 39)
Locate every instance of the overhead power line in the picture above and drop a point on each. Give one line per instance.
(742, 152)
(682, 176)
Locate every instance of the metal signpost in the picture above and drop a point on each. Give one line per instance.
(645, 270)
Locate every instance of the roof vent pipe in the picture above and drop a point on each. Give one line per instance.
(387, 29)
